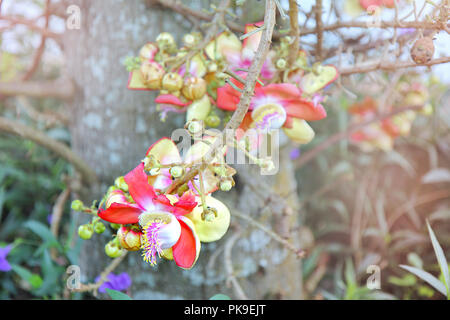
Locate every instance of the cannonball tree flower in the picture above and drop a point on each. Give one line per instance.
(376, 135)
(166, 230)
(239, 55)
(162, 221)
(274, 106)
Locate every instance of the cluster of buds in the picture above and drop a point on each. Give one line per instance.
(381, 135)
(178, 75)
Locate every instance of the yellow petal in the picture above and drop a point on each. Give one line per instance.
(214, 229)
(167, 254)
(199, 109)
(225, 44)
(300, 132)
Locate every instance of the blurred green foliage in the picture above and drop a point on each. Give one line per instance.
(30, 181)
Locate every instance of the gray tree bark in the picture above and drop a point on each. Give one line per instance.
(112, 128)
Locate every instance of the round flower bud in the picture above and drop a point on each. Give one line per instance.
(148, 52)
(194, 127)
(189, 40)
(194, 88)
(226, 185)
(212, 121)
(77, 205)
(166, 42)
(172, 82)
(281, 63)
(221, 171)
(152, 74)
(266, 164)
(112, 250)
(422, 50)
(99, 227)
(176, 171)
(129, 239)
(121, 184)
(85, 231)
(154, 171)
(115, 226)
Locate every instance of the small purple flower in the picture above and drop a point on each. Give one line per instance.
(4, 264)
(295, 153)
(118, 282)
(49, 218)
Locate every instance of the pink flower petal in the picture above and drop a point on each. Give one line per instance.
(120, 213)
(139, 188)
(186, 250)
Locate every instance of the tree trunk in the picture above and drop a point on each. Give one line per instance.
(112, 128)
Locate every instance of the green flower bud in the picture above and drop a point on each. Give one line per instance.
(113, 250)
(176, 171)
(212, 121)
(190, 40)
(166, 42)
(281, 63)
(85, 231)
(226, 185)
(115, 226)
(194, 127)
(77, 205)
(221, 171)
(99, 227)
(121, 184)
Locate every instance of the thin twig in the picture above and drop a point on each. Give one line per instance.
(294, 32)
(17, 128)
(103, 276)
(389, 66)
(312, 153)
(231, 277)
(300, 253)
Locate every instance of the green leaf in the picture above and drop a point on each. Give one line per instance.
(117, 295)
(43, 232)
(441, 259)
(407, 281)
(33, 279)
(220, 296)
(427, 277)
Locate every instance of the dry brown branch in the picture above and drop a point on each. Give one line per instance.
(17, 128)
(382, 25)
(217, 20)
(32, 26)
(294, 32)
(103, 276)
(231, 277)
(40, 49)
(389, 66)
(57, 212)
(49, 118)
(62, 89)
(285, 243)
(319, 29)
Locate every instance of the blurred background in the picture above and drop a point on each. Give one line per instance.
(63, 97)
